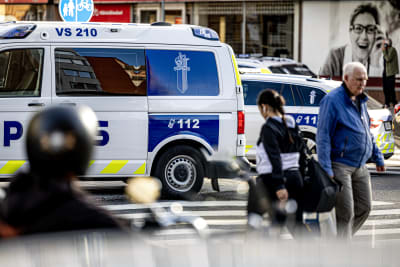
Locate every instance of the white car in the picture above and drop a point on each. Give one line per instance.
(273, 65)
(249, 65)
(303, 95)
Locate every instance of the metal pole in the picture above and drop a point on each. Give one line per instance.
(162, 10)
(244, 28)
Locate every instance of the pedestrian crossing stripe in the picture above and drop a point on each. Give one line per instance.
(378, 232)
(385, 212)
(231, 216)
(382, 222)
(379, 203)
(234, 203)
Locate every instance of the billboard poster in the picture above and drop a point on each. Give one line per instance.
(112, 13)
(337, 32)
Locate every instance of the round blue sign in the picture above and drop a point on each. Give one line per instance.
(76, 10)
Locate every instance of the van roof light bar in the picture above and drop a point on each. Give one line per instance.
(18, 32)
(205, 33)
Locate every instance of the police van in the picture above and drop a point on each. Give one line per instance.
(162, 94)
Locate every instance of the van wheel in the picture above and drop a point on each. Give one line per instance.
(310, 142)
(181, 171)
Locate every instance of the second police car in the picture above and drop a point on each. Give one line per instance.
(303, 95)
(162, 94)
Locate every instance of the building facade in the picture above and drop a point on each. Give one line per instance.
(305, 30)
(266, 27)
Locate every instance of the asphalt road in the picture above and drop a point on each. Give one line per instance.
(385, 187)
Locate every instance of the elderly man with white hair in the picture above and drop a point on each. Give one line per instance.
(345, 144)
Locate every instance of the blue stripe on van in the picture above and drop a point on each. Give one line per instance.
(164, 126)
(305, 119)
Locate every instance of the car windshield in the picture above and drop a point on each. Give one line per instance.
(372, 103)
(297, 69)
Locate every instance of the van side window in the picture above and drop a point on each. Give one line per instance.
(21, 72)
(100, 71)
(288, 95)
(298, 101)
(310, 96)
(182, 73)
(251, 89)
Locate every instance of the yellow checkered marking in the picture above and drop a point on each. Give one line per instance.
(389, 148)
(141, 169)
(248, 147)
(114, 166)
(238, 80)
(385, 137)
(11, 166)
(263, 70)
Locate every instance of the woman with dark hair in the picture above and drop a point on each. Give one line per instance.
(280, 160)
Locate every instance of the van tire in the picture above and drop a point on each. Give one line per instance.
(181, 171)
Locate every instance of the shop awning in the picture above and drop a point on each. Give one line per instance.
(23, 1)
(141, 1)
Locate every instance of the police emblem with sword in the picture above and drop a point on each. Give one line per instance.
(181, 69)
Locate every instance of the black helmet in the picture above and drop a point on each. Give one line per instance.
(60, 140)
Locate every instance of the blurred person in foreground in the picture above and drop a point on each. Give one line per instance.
(280, 162)
(390, 69)
(345, 144)
(59, 144)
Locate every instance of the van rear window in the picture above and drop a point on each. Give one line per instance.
(182, 73)
(100, 71)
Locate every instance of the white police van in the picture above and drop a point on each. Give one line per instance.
(161, 93)
(303, 95)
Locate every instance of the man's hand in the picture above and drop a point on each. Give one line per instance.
(380, 168)
(282, 194)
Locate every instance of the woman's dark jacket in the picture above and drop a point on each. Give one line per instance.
(276, 153)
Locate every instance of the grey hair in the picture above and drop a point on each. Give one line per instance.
(349, 68)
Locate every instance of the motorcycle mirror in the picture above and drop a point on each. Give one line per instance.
(143, 189)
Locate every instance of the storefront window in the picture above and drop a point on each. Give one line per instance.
(10, 12)
(229, 29)
(173, 16)
(277, 40)
(269, 26)
(148, 16)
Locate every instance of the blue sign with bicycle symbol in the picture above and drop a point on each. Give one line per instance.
(76, 10)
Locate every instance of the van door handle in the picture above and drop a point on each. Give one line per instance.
(35, 104)
(68, 103)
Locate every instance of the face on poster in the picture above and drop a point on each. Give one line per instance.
(347, 31)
